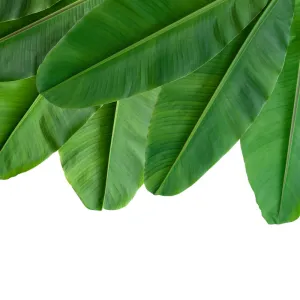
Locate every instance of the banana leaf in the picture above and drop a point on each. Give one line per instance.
(15, 9)
(271, 147)
(199, 118)
(104, 160)
(23, 50)
(11, 26)
(131, 47)
(32, 128)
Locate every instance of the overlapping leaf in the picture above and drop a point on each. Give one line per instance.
(23, 50)
(104, 160)
(133, 46)
(271, 147)
(199, 118)
(15, 99)
(32, 128)
(9, 27)
(125, 48)
(15, 9)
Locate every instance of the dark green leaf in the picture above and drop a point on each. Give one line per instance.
(134, 46)
(15, 9)
(22, 51)
(9, 27)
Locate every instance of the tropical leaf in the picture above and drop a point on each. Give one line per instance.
(271, 147)
(199, 118)
(104, 160)
(15, 9)
(15, 99)
(9, 27)
(22, 51)
(133, 46)
(32, 128)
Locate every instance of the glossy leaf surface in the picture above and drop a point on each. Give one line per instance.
(32, 128)
(22, 51)
(104, 160)
(271, 147)
(134, 46)
(199, 118)
(15, 9)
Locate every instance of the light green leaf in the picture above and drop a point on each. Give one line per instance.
(22, 51)
(104, 160)
(15, 9)
(199, 118)
(15, 99)
(32, 128)
(271, 147)
(134, 46)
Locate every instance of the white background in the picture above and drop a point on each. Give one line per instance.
(208, 243)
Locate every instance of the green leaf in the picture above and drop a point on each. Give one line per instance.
(15, 9)
(9, 27)
(22, 51)
(32, 128)
(104, 160)
(15, 99)
(271, 147)
(199, 118)
(131, 47)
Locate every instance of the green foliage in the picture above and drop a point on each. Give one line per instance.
(15, 9)
(23, 50)
(34, 128)
(209, 122)
(104, 160)
(131, 47)
(155, 90)
(271, 147)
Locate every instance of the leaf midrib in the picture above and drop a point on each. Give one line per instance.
(143, 41)
(291, 140)
(22, 120)
(238, 57)
(30, 13)
(110, 151)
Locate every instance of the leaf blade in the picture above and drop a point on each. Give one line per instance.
(38, 38)
(104, 161)
(271, 145)
(233, 105)
(32, 128)
(11, 10)
(136, 47)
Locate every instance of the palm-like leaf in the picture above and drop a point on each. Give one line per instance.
(133, 46)
(271, 147)
(15, 99)
(32, 128)
(22, 51)
(199, 118)
(14, 9)
(104, 160)
(11, 26)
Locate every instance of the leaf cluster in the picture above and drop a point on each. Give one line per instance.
(154, 92)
